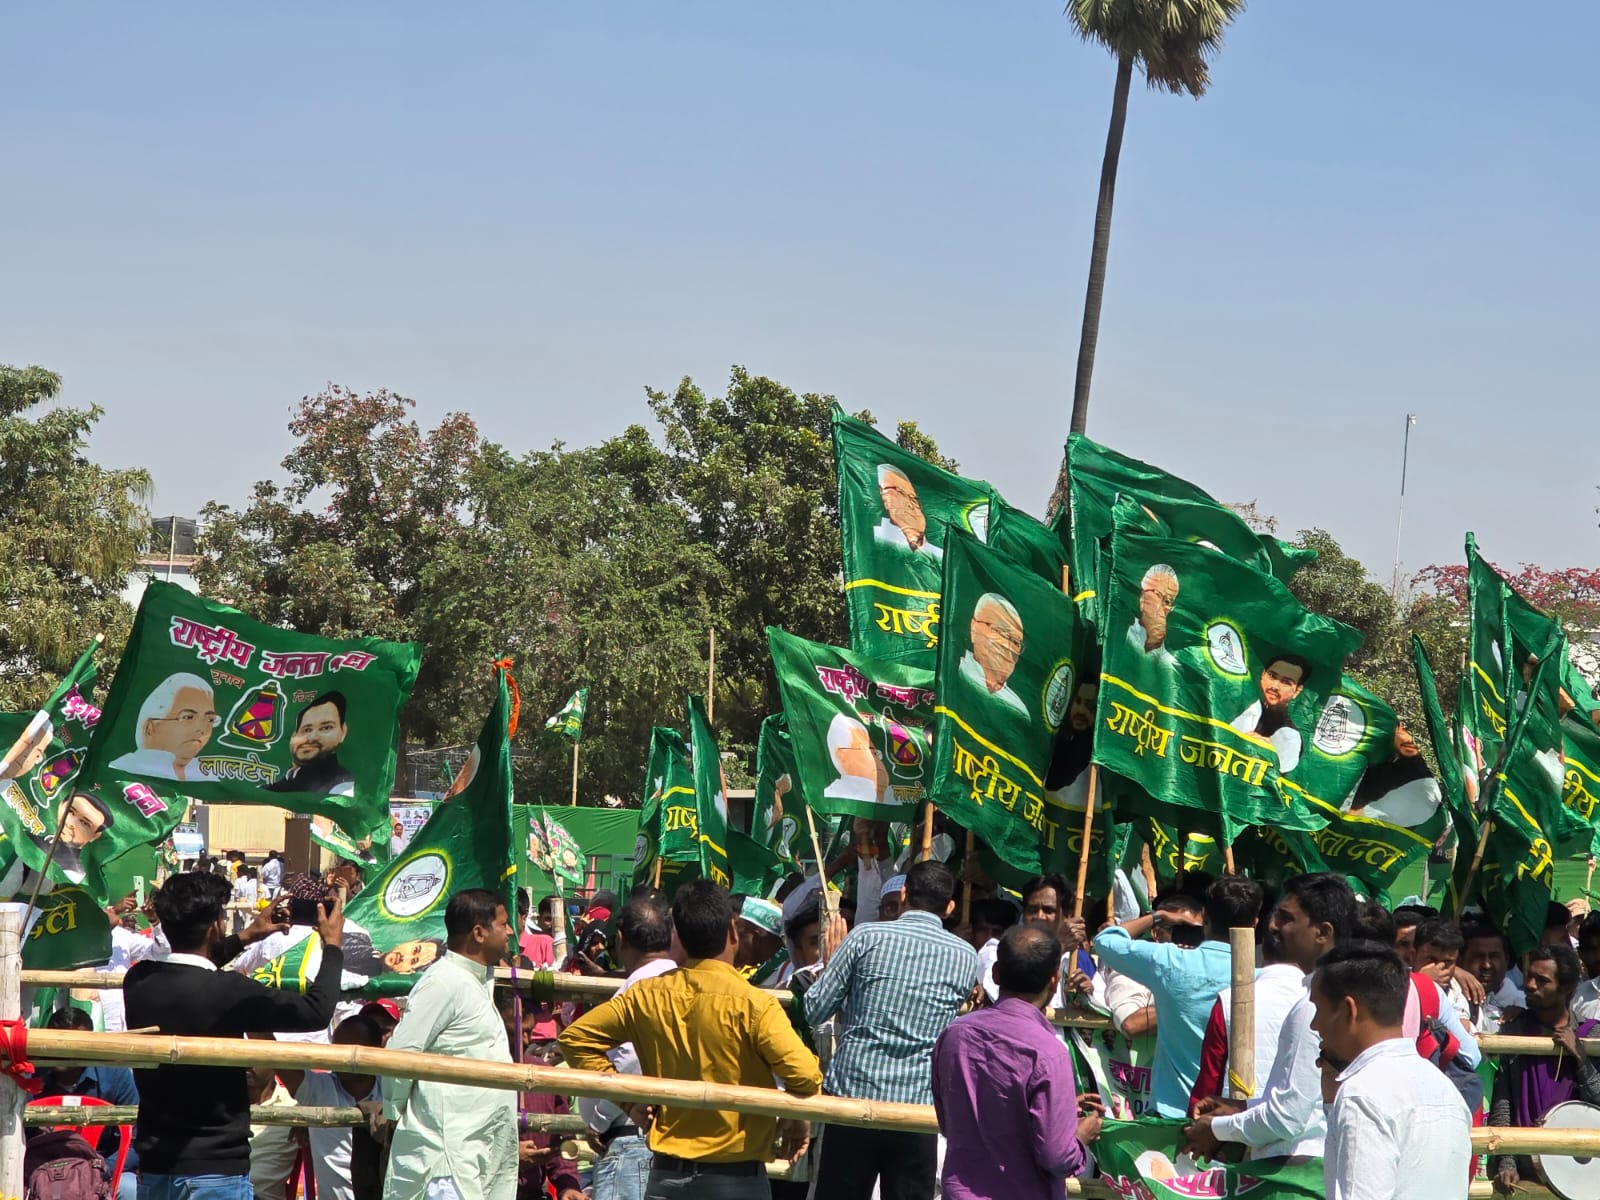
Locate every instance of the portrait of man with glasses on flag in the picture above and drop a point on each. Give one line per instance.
(176, 721)
(996, 631)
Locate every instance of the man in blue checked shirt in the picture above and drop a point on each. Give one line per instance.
(895, 985)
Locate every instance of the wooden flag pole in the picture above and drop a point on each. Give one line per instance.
(1588, 879)
(574, 774)
(1227, 860)
(829, 908)
(1147, 868)
(1083, 851)
(927, 836)
(1477, 861)
(1242, 1014)
(655, 881)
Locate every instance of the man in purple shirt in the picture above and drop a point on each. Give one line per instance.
(1004, 1088)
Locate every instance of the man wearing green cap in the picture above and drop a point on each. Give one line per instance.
(761, 950)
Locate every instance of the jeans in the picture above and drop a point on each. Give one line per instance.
(903, 1165)
(676, 1183)
(195, 1187)
(624, 1170)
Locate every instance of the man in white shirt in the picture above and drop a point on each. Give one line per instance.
(271, 874)
(1285, 1116)
(1397, 1127)
(644, 943)
(331, 1145)
(1586, 999)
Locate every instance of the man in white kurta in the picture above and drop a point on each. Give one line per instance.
(451, 1140)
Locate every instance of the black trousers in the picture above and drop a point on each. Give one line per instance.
(903, 1165)
(676, 1179)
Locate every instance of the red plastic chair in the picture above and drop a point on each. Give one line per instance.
(91, 1133)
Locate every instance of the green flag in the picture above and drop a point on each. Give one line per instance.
(1007, 679)
(1449, 751)
(710, 795)
(1098, 476)
(1213, 680)
(37, 775)
(211, 705)
(394, 928)
(1024, 539)
(70, 931)
(668, 823)
(861, 728)
(894, 508)
(1143, 1159)
(555, 851)
(1363, 771)
(754, 868)
(777, 819)
(569, 721)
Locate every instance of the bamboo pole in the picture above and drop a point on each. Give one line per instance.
(292, 1115)
(1477, 861)
(655, 880)
(574, 775)
(1227, 860)
(825, 899)
(711, 677)
(54, 1045)
(1147, 868)
(1083, 850)
(12, 1145)
(1242, 1014)
(927, 833)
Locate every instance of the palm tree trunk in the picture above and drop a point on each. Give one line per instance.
(1095, 293)
(1102, 245)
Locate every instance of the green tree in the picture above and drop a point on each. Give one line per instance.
(356, 541)
(1172, 42)
(70, 536)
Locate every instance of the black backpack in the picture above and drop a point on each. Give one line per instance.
(61, 1165)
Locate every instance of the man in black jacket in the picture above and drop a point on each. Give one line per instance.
(193, 1134)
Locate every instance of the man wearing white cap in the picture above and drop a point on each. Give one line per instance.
(762, 955)
(893, 898)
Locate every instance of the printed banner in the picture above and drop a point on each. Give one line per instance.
(70, 931)
(894, 508)
(45, 755)
(395, 926)
(405, 819)
(861, 728)
(1007, 679)
(555, 851)
(1141, 1160)
(210, 705)
(1213, 683)
(776, 821)
(1120, 1068)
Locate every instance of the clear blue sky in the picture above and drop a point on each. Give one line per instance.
(531, 211)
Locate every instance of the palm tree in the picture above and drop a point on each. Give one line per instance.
(1172, 42)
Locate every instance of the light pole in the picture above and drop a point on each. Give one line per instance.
(1400, 519)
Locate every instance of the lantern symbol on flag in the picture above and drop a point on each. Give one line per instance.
(905, 748)
(257, 719)
(58, 771)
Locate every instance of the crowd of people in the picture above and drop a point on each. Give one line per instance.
(1365, 1039)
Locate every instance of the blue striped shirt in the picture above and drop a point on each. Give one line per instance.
(896, 984)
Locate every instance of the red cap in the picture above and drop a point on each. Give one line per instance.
(388, 1006)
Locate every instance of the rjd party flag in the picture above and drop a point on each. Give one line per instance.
(711, 795)
(555, 851)
(211, 705)
(1213, 680)
(394, 928)
(668, 823)
(569, 721)
(1144, 1159)
(894, 508)
(1365, 773)
(1099, 476)
(862, 728)
(46, 750)
(1028, 541)
(777, 815)
(1007, 677)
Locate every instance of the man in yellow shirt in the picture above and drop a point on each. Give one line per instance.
(703, 1022)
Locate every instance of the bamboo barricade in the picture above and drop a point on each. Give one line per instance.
(1242, 1014)
(271, 1114)
(49, 1046)
(594, 988)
